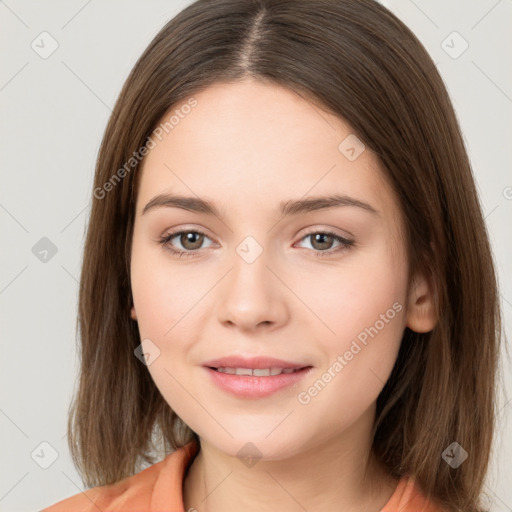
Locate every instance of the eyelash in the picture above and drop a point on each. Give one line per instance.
(164, 241)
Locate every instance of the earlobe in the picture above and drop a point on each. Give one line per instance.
(421, 314)
(133, 314)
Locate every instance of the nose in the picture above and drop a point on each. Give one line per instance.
(252, 295)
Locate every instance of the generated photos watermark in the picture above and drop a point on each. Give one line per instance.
(361, 340)
(165, 127)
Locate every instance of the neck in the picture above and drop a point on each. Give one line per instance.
(333, 474)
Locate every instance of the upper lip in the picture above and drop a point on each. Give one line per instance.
(252, 362)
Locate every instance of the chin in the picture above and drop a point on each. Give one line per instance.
(255, 447)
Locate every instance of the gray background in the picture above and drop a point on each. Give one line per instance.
(53, 113)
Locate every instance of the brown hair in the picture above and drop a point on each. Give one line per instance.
(358, 61)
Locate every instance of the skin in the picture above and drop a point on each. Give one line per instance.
(247, 146)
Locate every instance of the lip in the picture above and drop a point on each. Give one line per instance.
(252, 362)
(249, 386)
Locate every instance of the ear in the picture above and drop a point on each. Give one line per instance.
(133, 314)
(421, 315)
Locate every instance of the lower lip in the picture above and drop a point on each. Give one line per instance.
(249, 386)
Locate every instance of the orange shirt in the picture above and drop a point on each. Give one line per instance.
(158, 488)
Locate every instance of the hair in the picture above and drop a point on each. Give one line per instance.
(358, 61)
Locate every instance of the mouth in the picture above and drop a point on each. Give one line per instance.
(253, 378)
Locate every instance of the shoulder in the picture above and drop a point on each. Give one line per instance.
(158, 484)
(408, 497)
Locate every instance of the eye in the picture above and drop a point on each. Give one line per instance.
(191, 242)
(322, 242)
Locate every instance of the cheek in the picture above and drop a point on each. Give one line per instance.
(164, 300)
(161, 295)
(363, 304)
(352, 296)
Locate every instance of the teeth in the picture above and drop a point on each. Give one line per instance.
(261, 372)
(256, 372)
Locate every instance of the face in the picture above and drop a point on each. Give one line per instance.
(316, 295)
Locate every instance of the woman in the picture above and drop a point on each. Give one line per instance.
(287, 278)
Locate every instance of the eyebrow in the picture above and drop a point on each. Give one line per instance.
(286, 208)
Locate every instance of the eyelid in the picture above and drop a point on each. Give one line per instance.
(315, 228)
(319, 228)
(187, 229)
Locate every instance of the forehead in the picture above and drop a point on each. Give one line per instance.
(253, 143)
